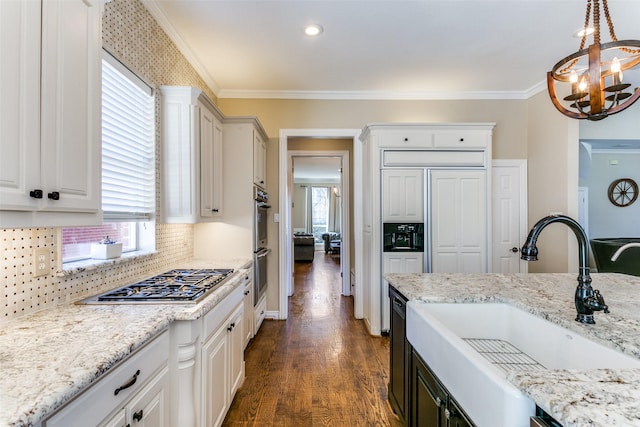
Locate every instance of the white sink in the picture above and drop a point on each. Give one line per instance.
(443, 335)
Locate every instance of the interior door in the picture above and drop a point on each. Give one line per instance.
(509, 212)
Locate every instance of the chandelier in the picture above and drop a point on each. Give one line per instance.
(595, 74)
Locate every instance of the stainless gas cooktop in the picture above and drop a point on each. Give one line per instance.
(174, 286)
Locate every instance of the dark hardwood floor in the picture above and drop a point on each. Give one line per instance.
(320, 367)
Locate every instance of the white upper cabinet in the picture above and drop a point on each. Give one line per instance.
(259, 161)
(50, 113)
(211, 173)
(402, 195)
(192, 147)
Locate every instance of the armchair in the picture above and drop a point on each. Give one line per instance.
(332, 242)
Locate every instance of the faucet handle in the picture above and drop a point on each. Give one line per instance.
(600, 301)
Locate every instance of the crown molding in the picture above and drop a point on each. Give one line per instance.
(162, 20)
(372, 95)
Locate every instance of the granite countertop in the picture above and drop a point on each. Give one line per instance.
(602, 397)
(49, 357)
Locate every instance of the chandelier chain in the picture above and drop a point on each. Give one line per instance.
(612, 32)
(583, 41)
(596, 21)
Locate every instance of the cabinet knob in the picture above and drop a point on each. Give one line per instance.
(514, 250)
(438, 402)
(461, 139)
(447, 414)
(54, 195)
(36, 194)
(137, 416)
(214, 210)
(406, 139)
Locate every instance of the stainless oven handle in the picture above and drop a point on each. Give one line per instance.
(263, 253)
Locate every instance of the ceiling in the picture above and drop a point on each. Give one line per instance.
(317, 169)
(383, 49)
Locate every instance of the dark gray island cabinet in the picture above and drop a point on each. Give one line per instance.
(415, 393)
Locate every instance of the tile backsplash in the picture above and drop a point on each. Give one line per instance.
(131, 34)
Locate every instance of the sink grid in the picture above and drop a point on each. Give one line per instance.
(504, 355)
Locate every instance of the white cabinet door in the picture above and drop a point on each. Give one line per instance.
(397, 262)
(458, 221)
(71, 104)
(222, 367)
(402, 195)
(210, 164)
(148, 407)
(215, 380)
(259, 161)
(19, 103)
(236, 350)
(247, 322)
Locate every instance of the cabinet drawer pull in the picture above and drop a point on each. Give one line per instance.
(231, 326)
(438, 402)
(36, 194)
(214, 210)
(137, 416)
(247, 292)
(131, 382)
(54, 195)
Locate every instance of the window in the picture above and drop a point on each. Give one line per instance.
(128, 166)
(319, 211)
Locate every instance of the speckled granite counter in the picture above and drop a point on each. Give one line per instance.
(604, 397)
(49, 357)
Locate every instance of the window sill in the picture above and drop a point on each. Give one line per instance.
(75, 267)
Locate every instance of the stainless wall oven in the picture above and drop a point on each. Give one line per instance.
(260, 250)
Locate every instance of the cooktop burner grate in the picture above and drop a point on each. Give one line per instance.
(180, 285)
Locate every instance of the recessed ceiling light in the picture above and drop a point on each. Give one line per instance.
(313, 30)
(581, 32)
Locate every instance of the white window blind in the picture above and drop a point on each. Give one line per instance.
(128, 145)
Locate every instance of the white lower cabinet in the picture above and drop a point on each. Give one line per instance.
(135, 393)
(185, 377)
(222, 358)
(248, 308)
(259, 313)
(397, 262)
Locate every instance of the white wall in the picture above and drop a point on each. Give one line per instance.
(606, 219)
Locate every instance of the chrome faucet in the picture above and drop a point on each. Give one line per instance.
(587, 299)
(624, 248)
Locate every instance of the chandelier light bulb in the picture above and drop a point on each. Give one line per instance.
(616, 71)
(583, 85)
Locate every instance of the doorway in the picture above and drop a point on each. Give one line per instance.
(320, 200)
(350, 221)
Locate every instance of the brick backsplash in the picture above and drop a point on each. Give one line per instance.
(131, 34)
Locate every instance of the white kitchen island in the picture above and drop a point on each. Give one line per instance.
(601, 397)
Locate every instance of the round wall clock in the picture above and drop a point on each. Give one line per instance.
(623, 192)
